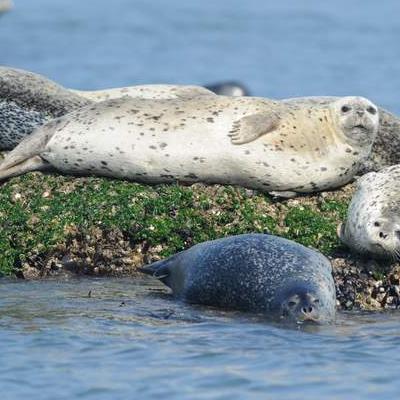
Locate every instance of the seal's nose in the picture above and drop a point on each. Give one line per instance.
(307, 310)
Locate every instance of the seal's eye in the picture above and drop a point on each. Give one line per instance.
(376, 223)
(292, 304)
(371, 110)
(345, 109)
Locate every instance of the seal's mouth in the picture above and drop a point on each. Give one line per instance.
(360, 127)
(308, 320)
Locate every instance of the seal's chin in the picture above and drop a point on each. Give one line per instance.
(378, 250)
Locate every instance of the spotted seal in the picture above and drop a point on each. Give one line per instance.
(386, 148)
(28, 100)
(372, 226)
(253, 272)
(161, 92)
(246, 141)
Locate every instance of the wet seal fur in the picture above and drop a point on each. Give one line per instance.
(372, 226)
(254, 272)
(386, 148)
(247, 141)
(28, 100)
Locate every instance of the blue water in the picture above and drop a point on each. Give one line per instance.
(129, 340)
(278, 48)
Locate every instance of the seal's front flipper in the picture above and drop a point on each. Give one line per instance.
(284, 194)
(251, 127)
(35, 163)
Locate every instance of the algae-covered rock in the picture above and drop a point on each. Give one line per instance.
(52, 225)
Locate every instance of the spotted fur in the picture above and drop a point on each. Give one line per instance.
(305, 149)
(373, 219)
(253, 272)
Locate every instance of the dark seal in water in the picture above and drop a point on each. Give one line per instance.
(253, 272)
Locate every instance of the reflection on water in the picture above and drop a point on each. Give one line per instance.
(116, 338)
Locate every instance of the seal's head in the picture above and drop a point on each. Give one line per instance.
(384, 236)
(379, 236)
(301, 302)
(358, 119)
(372, 226)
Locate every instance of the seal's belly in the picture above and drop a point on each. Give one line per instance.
(201, 152)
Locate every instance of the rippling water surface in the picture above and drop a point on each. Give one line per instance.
(129, 339)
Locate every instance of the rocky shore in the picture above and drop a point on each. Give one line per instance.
(52, 225)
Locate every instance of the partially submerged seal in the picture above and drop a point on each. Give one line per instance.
(372, 226)
(28, 100)
(255, 272)
(247, 141)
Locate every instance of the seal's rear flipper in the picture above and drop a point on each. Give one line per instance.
(26, 156)
(35, 163)
(251, 127)
(159, 269)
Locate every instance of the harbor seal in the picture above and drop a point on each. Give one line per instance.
(372, 226)
(245, 141)
(28, 100)
(229, 88)
(386, 148)
(253, 272)
(161, 92)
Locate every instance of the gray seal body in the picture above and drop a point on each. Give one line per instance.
(253, 272)
(372, 226)
(28, 100)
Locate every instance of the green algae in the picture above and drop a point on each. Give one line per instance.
(39, 213)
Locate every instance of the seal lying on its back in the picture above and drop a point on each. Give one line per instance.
(373, 219)
(386, 148)
(28, 100)
(254, 272)
(247, 141)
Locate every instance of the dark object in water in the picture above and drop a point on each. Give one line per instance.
(229, 88)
